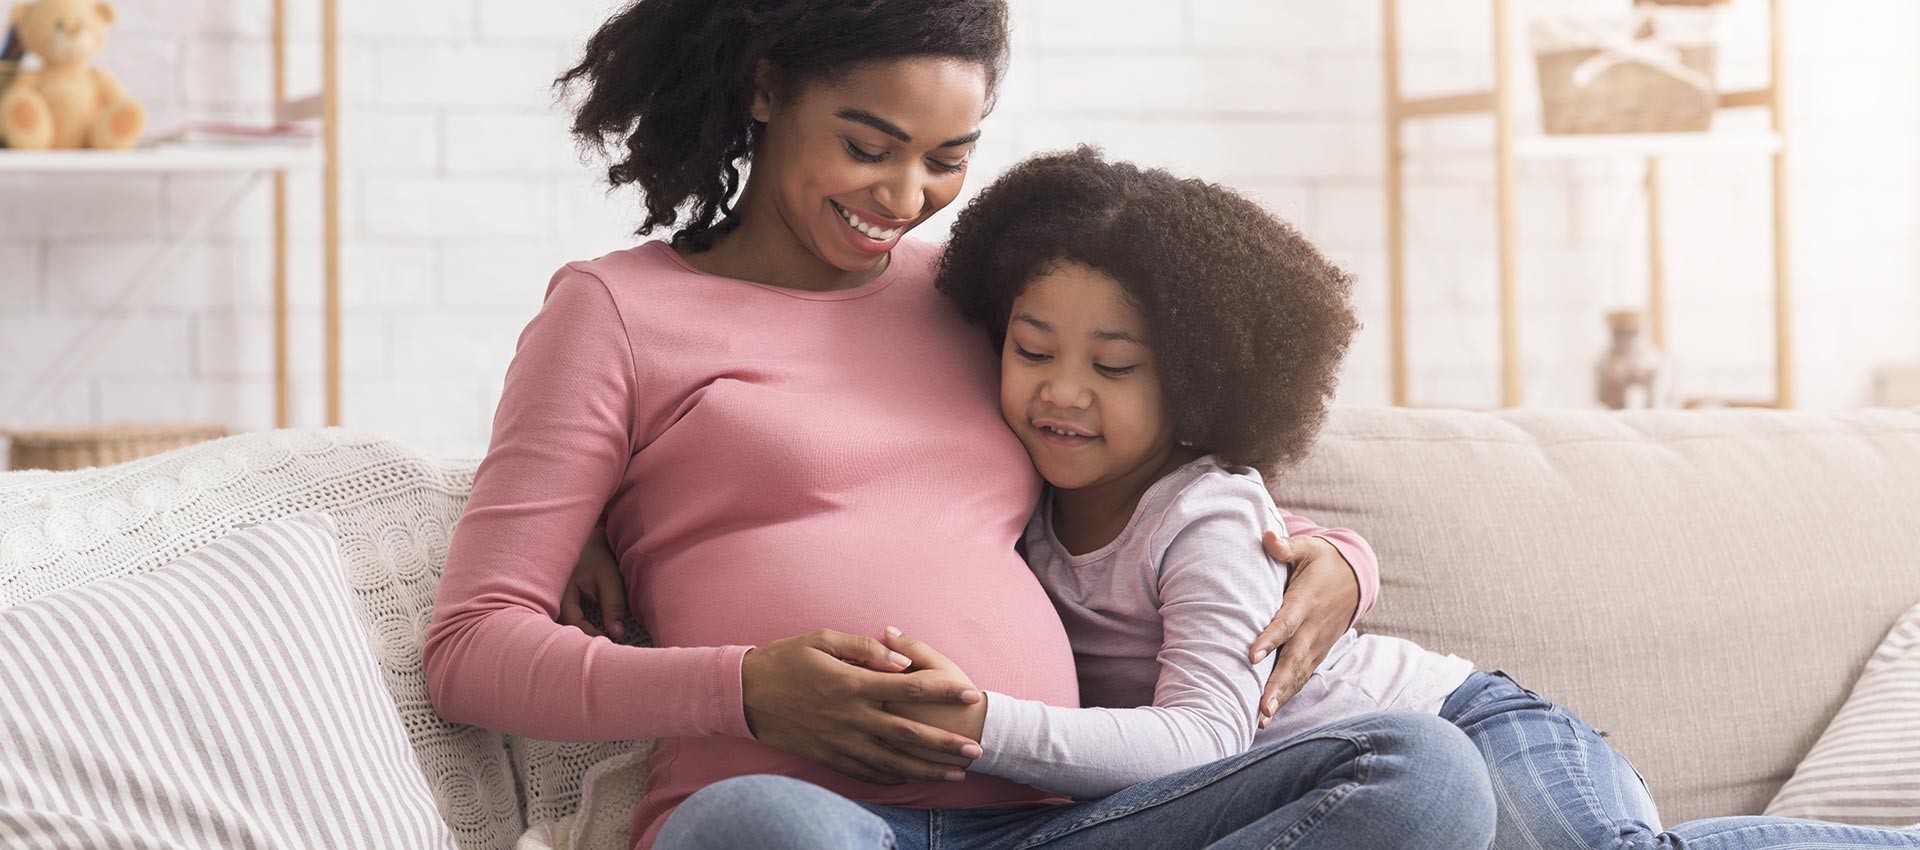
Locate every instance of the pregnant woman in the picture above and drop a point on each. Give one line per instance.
(792, 441)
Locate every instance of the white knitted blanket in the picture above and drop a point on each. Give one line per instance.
(396, 508)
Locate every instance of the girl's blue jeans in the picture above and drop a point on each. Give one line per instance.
(1559, 784)
(1381, 781)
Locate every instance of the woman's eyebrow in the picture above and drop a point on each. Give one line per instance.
(862, 116)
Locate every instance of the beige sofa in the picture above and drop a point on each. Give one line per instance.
(1703, 585)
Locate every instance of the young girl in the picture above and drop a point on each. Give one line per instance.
(1163, 341)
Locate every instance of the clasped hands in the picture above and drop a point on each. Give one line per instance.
(881, 712)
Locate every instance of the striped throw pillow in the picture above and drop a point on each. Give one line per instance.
(227, 699)
(1865, 769)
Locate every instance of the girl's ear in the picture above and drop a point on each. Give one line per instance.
(761, 107)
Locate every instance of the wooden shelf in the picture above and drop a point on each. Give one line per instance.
(1644, 144)
(320, 156)
(1512, 144)
(161, 160)
(1467, 103)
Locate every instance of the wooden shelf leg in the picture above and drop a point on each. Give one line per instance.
(1656, 254)
(1782, 258)
(1396, 207)
(330, 93)
(1512, 381)
(282, 414)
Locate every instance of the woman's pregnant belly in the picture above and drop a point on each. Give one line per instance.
(980, 607)
(977, 604)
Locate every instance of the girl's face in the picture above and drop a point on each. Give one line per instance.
(1077, 381)
(854, 164)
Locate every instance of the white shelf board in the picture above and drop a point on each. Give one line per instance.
(1584, 145)
(169, 158)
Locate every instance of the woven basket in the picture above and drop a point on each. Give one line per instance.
(79, 448)
(1651, 72)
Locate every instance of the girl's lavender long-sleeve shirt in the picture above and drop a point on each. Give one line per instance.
(1160, 619)
(767, 461)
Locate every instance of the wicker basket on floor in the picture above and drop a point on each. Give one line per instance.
(79, 448)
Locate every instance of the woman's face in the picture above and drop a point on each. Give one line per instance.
(1077, 381)
(853, 164)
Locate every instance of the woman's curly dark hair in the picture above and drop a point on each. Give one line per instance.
(669, 83)
(1247, 321)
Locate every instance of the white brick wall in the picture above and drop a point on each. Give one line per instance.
(462, 193)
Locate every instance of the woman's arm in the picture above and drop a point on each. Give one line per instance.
(561, 441)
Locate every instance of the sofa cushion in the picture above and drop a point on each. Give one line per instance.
(1866, 767)
(395, 508)
(1704, 585)
(228, 698)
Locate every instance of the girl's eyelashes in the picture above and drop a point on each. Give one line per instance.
(1109, 371)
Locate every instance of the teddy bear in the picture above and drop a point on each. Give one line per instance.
(67, 102)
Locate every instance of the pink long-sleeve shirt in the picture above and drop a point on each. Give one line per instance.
(767, 461)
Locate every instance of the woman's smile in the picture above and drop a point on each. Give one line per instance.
(866, 234)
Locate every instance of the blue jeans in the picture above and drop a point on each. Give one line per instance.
(1387, 780)
(1561, 785)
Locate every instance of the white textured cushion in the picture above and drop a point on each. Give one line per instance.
(1866, 767)
(395, 508)
(227, 699)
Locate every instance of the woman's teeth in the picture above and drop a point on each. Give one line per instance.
(874, 233)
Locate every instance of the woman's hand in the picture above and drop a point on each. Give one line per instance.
(1322, 596)
(812, 695)
(596, 577)
(968, 720)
